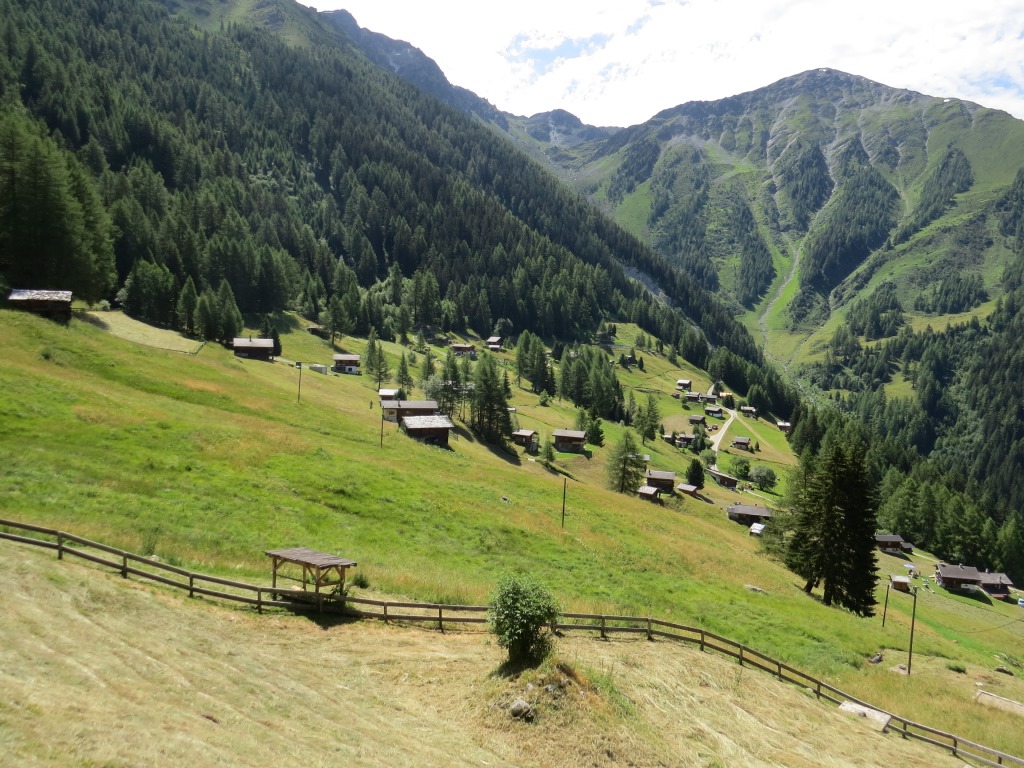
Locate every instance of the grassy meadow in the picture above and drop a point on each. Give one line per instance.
(207, 460)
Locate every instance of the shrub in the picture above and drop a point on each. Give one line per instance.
(519, 610)
(957, 667)
(361, 580)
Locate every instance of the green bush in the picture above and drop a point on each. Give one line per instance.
(360, 580)
(956, 666)
(519, 610)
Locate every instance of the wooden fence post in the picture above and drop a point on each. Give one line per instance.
(649, 635)
(191, 585)
(702, 640)
(440, 618)
(60, 545)
(385, 613)
(124, 566)
(259, 601)
(741, 655)
(603, 635)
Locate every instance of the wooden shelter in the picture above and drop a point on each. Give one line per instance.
(254, 349)
(573, 440)
(55, 305)
(524, 436)
(724, 480)
(432, 430)
(741, 442)
(661, 479)
(648, 493)
(748, 515)
(319, 569)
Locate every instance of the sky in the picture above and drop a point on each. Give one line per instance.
(619, 62)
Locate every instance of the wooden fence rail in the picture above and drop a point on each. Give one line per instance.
(270, 597)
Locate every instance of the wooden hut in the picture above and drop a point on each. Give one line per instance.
(432, 430)
(253, 349)
(54, 305)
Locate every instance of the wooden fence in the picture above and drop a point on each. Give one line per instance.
(127, 563)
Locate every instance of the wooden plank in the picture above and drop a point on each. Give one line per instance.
(29, 527)
(156, 577)
(28, 540)
(92, 558)
(226, 582)
(94, 545)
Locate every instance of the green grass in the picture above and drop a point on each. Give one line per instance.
(209, 460)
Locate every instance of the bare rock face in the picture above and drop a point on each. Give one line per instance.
(521, 710)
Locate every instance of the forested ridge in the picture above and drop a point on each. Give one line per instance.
(948, 458)
(309, 178)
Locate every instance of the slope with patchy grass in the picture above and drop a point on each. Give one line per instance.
(208, 460)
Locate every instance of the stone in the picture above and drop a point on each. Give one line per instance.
(520, 709)
(1003, 670)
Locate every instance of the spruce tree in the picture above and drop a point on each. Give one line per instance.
(695, 474)
(834, 506)
(403, 378)
(489, 405)
(186, 310)
(626, 467)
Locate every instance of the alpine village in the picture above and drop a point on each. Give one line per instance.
(346, 419)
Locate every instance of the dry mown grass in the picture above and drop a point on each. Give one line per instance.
(99, 671)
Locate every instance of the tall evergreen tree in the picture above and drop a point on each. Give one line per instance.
(833, 540)
(186, 310)
(489, 404)
(626, 467)
(402, 377)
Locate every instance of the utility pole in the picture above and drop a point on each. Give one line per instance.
(565, 481)
(913, 618)
(298, 399)
(886, 608)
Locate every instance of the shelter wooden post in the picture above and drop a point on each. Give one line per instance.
(320, 569)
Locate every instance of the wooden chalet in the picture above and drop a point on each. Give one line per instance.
(713, 410)
(53, 305)
(524, 436)
(907, 548)
(253, 349)
(395, 410)
(724, 480)
(689, 490)
(996, 584)
(694, 397)
(649, 493)
(748, 410)
(432, 430)
(697, 419)
(684, 384)
(461, 349)
(661, 479)
(889, 542)
(748, 515)
(900, 583)
(346, 364)
(959, 577)
(742, 442)
(683, 441)
(319, 569)
(712, 399)
(784, 426)
(571, 440)
(495, 343)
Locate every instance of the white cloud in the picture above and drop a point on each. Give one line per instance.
(618, 62)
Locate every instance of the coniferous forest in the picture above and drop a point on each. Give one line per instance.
(304, 178)
(195, 177)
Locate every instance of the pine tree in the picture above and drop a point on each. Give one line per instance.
(595, 434)
(834, 504)
(626, 467)
(695, 474)
(489, 405)
(186, 310)
(403, 378)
